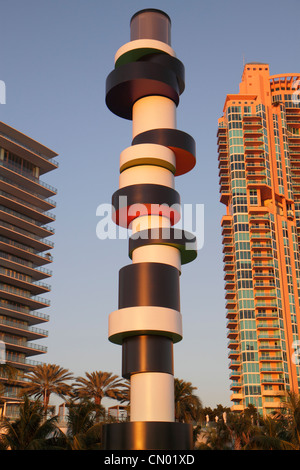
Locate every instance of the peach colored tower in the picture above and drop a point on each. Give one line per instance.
(144, 87)
(259, 169)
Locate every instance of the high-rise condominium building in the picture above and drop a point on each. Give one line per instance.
(25, 202)
(259, 168)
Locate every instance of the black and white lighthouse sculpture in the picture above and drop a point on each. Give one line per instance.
(145, 87)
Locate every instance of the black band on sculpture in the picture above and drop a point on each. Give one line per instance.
(136, 200)
(182, 240)
(130, 82)
(148, 435)
(170, 62)
(151, 284)
(147, 353)
(181, 143)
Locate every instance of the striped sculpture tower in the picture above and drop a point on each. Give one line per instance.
(144, 87)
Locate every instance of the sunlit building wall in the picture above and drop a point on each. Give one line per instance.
(259, 169)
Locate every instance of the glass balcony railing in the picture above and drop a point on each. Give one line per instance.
(22, 277)
(27, 147)
(16, 308)
(26, 248)
(27, 205)
(22, 293)
(32, 193)
(23, 326)
(26, 219)
(23, 262)
(27, 174)
(22, 343)
(27, 234)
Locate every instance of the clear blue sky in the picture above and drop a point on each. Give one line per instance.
(55, 57)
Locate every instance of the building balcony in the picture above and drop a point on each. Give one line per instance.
(237, 407)
(234, 353)
(233, 344)
(267, 315)
(266, 294)
(15, 295)
(268, 347)
(232, 323)
(231, 304)
(231, 314)
(267, 380)
(23, 251)
(228, 265)
(233, 333)
(223, 170)
(230, 294)
(263, 255)
(262, 274)
(235, 375)
(260, 227)
(20, 362)
(18, 281)
(267, 325)
(261, 246)
(255, 211)
(21, 329)
(29, 210)
(228, 256)
(26, 179)
(255, 158)
(22, 313)
(21, 346)
(25, 267)
(277, 370)
(234, 364)
(254, 149)
(268, 336)
(225, 195)
(19, 235)
(252, 131)
(26, 223)
(270, 357)
(236, 396)
(273, 393)
(236, 385)
(22, 193)
(252, 120)
(229, 276)
(27, 148)
(228, 238)
(228, 248)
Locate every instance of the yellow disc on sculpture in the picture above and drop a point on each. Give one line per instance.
(148, 154)
(146, 174)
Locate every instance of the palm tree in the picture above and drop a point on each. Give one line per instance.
(30, 431)
(83, 431)
(187, 405)
(98, 385)
(46, 379)
(291, 413)
(271, 435)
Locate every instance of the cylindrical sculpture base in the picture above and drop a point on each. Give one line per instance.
(150, 435)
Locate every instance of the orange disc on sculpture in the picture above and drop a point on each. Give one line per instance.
(181, 143)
